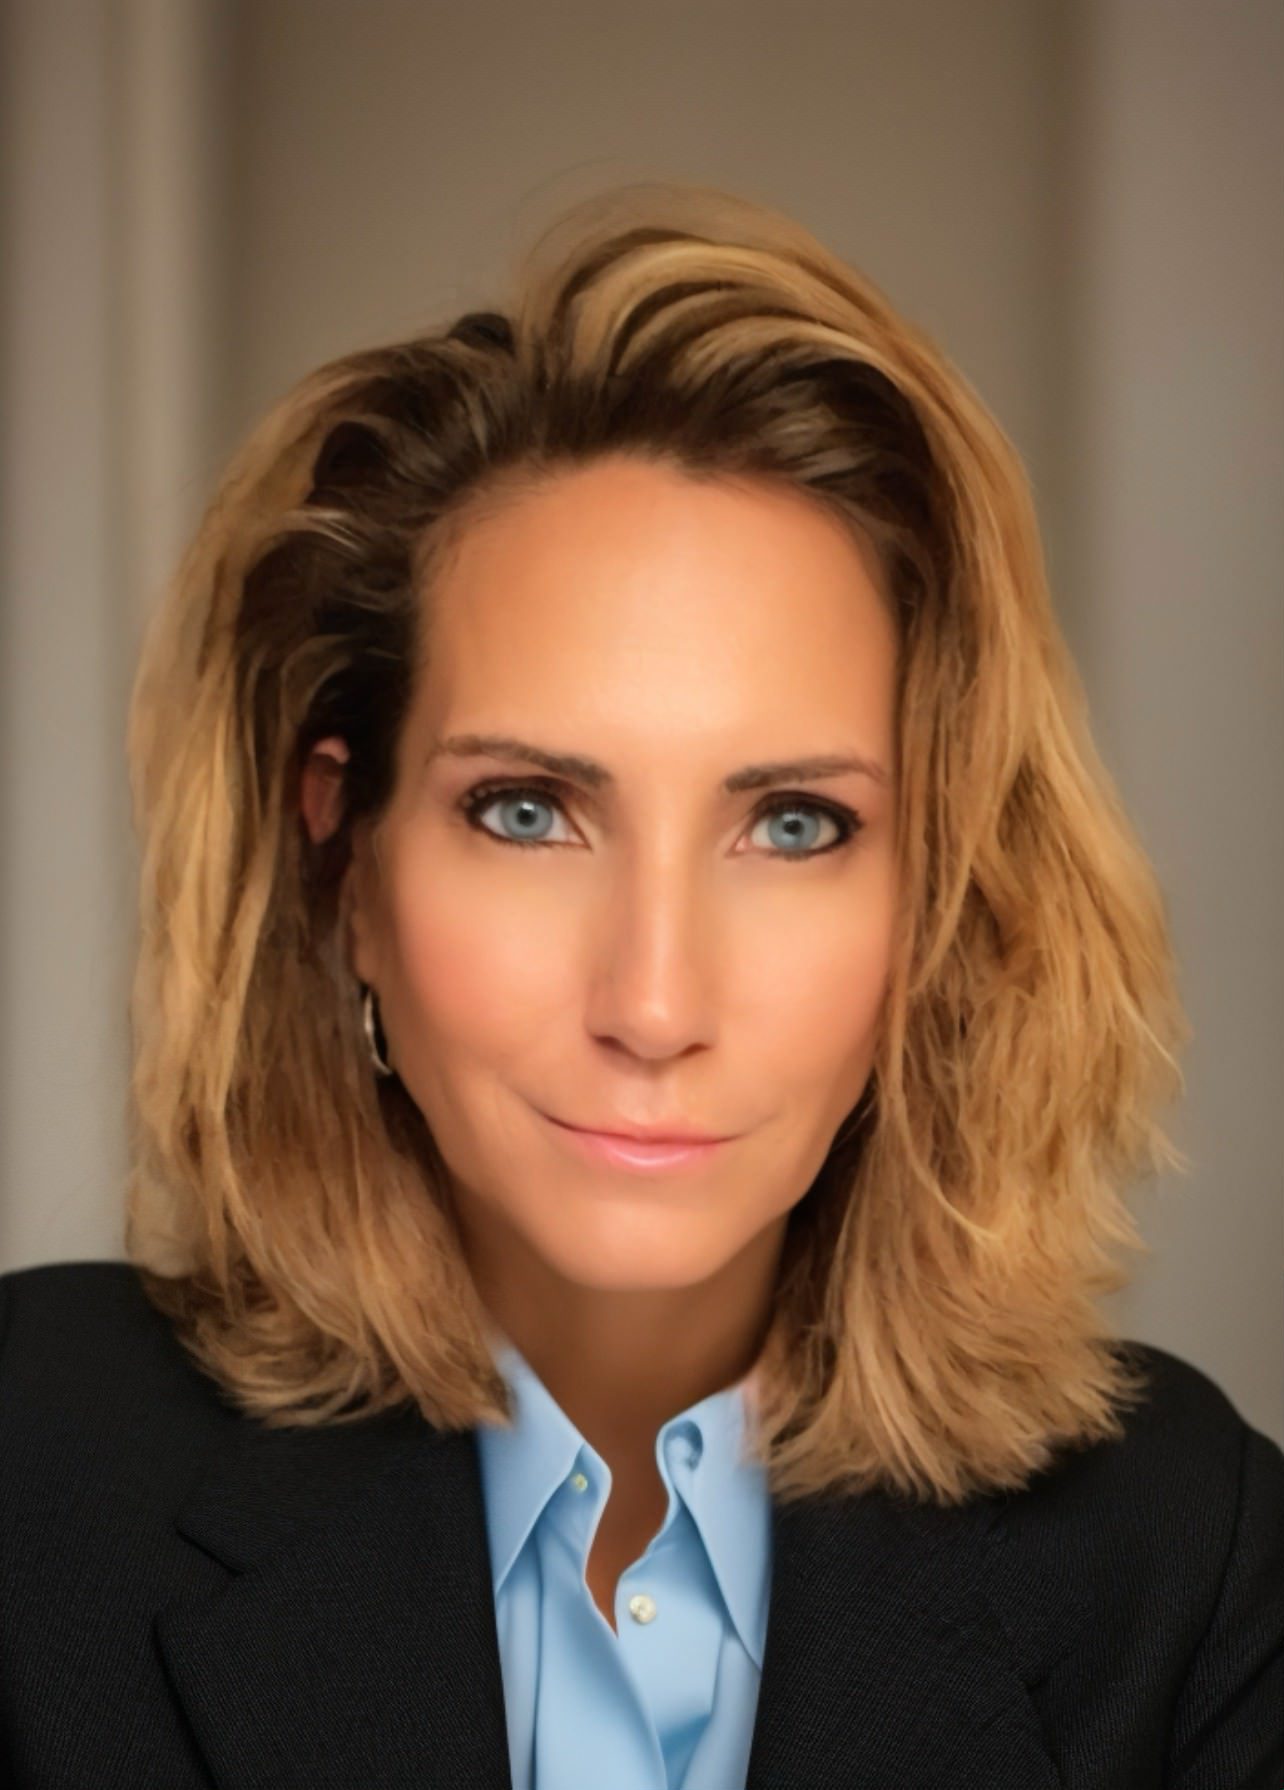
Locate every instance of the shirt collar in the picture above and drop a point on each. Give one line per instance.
(727, 1496)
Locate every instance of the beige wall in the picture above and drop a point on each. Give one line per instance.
(1080, 203)
(1176, 488)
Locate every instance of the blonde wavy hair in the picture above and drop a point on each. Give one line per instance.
(935, 1329)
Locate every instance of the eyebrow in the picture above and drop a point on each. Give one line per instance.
(597, 776)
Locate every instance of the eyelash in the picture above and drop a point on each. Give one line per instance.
(848, 822)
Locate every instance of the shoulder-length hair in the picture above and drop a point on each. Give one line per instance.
(935, 1329)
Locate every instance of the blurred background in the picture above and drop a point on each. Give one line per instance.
(202, 199)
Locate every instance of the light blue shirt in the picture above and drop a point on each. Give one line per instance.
(668, 1702)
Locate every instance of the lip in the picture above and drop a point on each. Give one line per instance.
(638, 1152)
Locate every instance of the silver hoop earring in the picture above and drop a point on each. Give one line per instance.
(382, 1066)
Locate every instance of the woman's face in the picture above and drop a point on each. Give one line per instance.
(629, 942)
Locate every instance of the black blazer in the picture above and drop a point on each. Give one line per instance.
(189, 1599)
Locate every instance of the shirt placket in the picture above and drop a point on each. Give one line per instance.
(615, 1740)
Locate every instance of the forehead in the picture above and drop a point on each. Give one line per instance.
(636, 595)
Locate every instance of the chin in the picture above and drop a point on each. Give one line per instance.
(665, 1252)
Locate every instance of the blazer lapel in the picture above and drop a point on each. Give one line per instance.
(885, 1665)
(356, 1642)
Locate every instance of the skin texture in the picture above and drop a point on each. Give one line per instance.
(651, 962)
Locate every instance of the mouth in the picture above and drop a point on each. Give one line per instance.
(654, 1153)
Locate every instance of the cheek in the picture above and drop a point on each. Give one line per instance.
(474, 967)
(818, 1007)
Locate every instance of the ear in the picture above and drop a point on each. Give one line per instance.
(321, 798)
(321, 787)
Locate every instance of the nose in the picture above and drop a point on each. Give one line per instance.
(656, 965)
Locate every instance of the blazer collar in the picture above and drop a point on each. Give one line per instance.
(348, 1635)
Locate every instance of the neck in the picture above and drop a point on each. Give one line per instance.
(621, 1362)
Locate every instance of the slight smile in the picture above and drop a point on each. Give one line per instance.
(633, 1153)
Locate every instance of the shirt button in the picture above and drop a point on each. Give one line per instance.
(642, 1607)
(579, 1482)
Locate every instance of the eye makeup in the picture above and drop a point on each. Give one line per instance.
(548, 790)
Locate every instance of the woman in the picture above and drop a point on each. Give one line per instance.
(646, 1005)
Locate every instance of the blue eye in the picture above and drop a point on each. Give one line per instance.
(525, 800)
(798, 821)
(516, 797)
